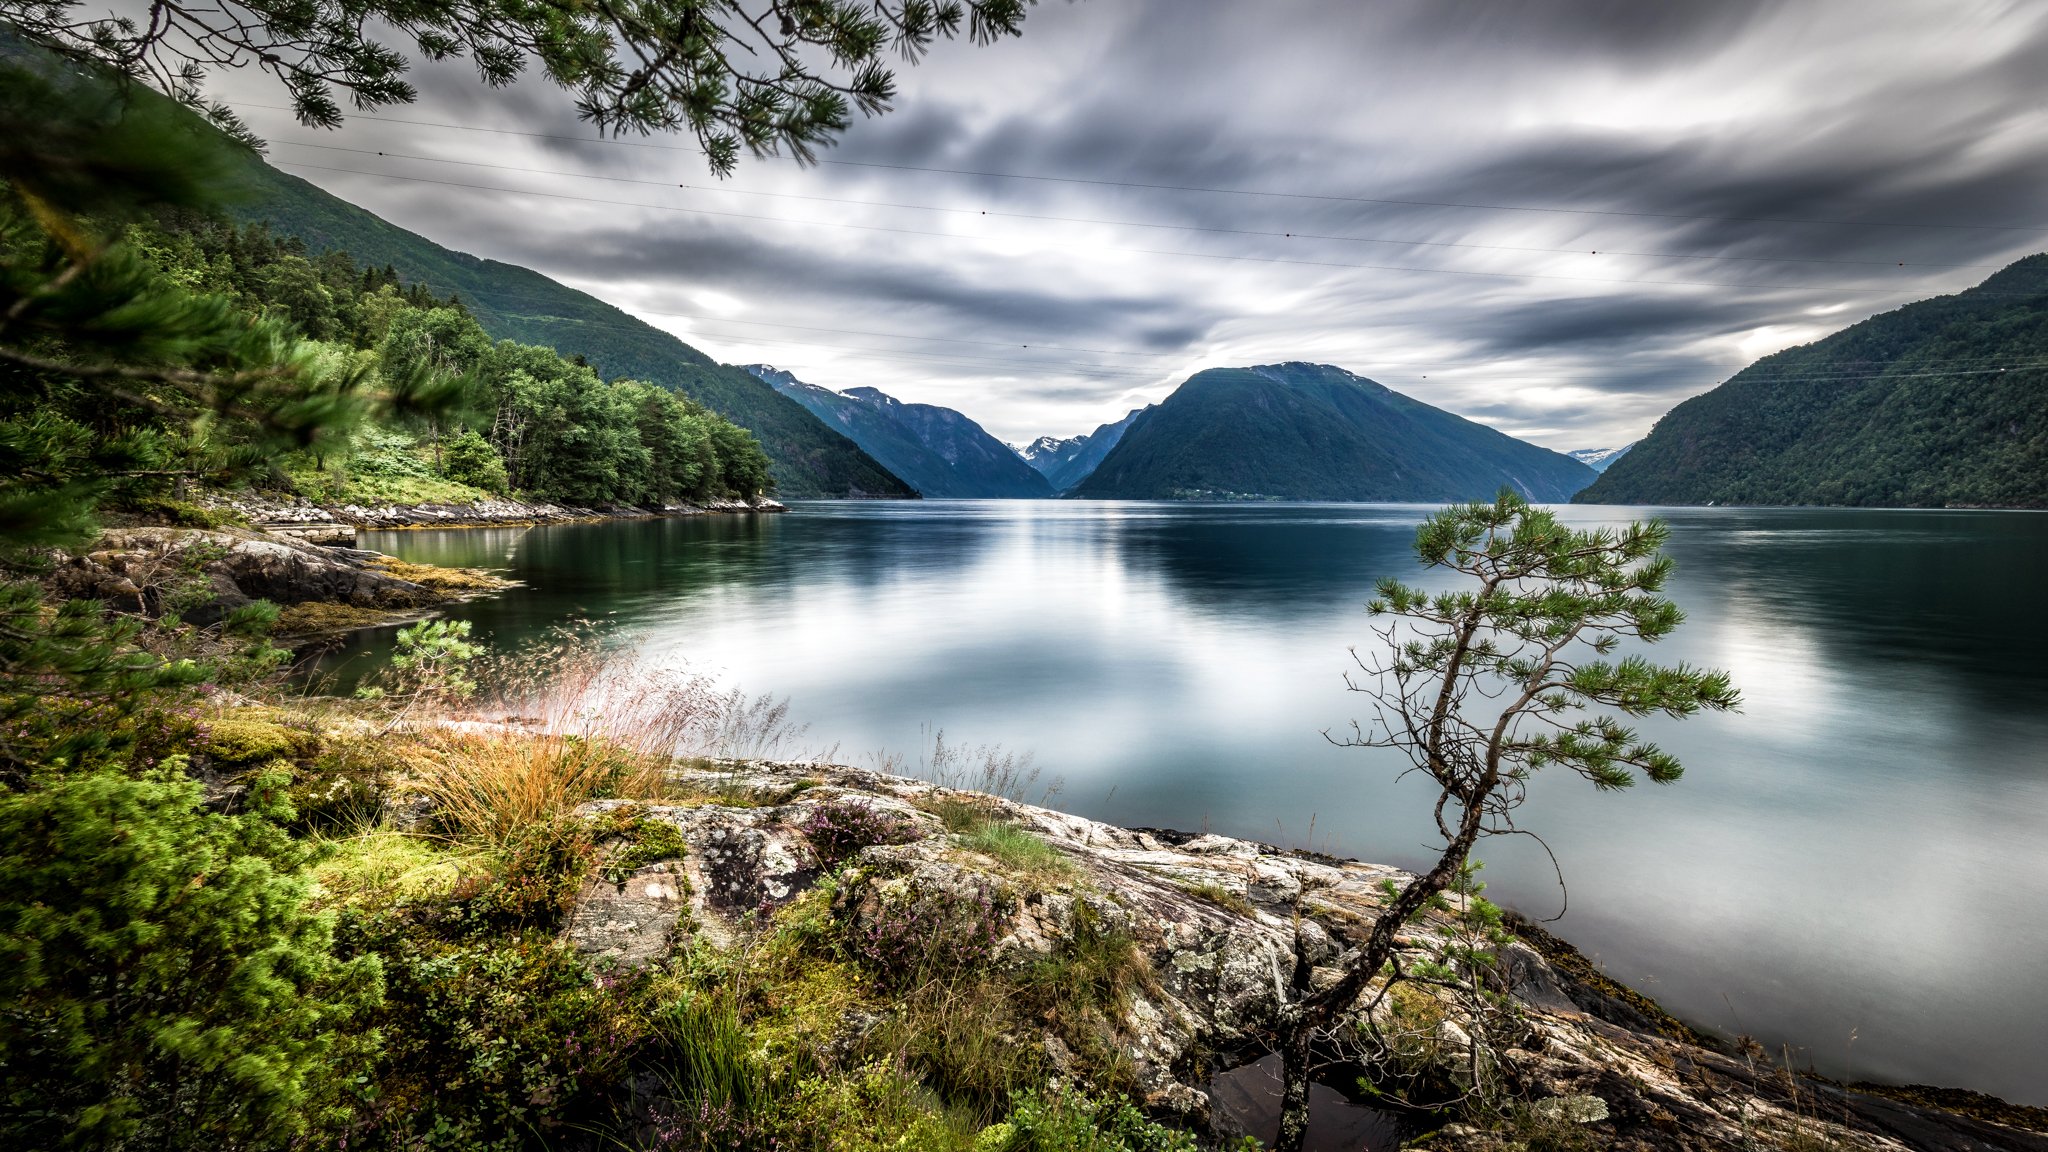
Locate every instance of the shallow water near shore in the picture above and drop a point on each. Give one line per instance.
(1855, 867)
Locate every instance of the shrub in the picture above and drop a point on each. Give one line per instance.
(1064, 1120)
(161, 982)
(430, 661)
(492, 1044)
(911, 934)
(468, 458)
(839, 829)
(542, 869)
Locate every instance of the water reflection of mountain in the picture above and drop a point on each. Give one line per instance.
(1947, 595)
(1274, 563)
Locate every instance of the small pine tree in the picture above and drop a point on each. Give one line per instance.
(1481, 687)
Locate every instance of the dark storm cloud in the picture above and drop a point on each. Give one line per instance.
(1725, 160)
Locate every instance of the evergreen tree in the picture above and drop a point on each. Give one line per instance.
(1481, 687)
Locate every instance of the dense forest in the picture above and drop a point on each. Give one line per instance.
(1935, 404)
(509, 302)
(524, 418)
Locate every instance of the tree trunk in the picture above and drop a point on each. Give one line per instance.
(1295, 1053)
(1313, 1011)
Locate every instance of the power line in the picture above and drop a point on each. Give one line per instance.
(1446, 375)
(1830, 288)
(1384, 201)
(1266, 234)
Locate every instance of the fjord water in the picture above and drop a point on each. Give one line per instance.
(1856, 866)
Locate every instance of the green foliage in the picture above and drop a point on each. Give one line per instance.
(1552, 604)
(1063, 1120)
(471, 460)
(430, 660)
(162, 983)
(490, 1043)
(1935, 404)
(518, 416)
(235, 740)
(807, 457)
(762, 80)
(1314, 432)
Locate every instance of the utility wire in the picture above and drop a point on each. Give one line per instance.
(1987, 364)
(990, 212)
(1830, 288)
(1236, 191)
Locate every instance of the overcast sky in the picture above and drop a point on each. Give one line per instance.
(1558, 217)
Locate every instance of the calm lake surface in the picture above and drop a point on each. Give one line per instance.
(1855, 866)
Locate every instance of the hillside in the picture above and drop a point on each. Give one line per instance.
(1315, 432)
(514, 303)
(1937, 403)
(1065, 463)
(938, 451)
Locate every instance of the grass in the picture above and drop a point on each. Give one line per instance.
(1220, 896)
(1018, 850)
(493, 786)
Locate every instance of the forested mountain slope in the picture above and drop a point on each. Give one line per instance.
(938, 451)
(1316, 432)
(1942, 402)
(515, 303)
(1067, 462)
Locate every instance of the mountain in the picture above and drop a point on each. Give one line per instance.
(1599, 459)
(514, 303)
(1936, 403)
(936, 450)
(1065, 463)
(1316, 432)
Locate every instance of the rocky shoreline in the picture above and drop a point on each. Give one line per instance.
(203, 575)
(301, 519)
(1215, 919)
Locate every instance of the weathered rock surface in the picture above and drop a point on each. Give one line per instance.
(205, 574)
(1214, 918)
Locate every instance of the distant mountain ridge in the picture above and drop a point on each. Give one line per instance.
(1938, 403)
(1599, 459)
(1299, 431)
(937, 451)
(1065, 463)
(514, 303)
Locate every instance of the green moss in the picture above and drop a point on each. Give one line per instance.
(234, 740)
(383, 867)
(313, 619)
(646, 842)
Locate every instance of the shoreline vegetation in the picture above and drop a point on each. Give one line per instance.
(552, 897)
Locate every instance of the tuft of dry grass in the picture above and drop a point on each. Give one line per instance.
(494, 785)
(568, 721)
